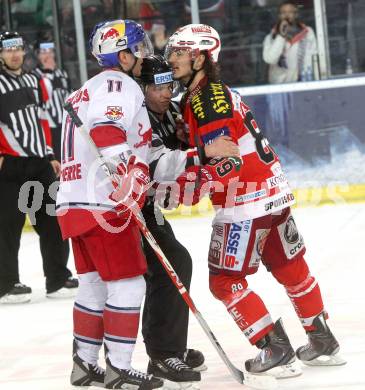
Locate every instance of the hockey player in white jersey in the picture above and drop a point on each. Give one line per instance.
(92, 212)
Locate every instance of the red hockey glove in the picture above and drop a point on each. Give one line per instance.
(197, 181)
(131, 183)
(194, 183)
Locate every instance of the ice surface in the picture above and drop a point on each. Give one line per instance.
(35, 341)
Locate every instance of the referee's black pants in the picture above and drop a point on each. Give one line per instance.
(165, 315)
(16, 171)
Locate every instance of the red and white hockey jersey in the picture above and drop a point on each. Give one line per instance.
(112, 108)
(259, 186)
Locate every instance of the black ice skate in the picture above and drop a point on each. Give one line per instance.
(68, 290)
(116, 378)
(85, 374)
(176, 374)
(20, 293)
(277, 355)
(322, 347)
(194, 359)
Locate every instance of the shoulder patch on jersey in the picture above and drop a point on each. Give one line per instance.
(114, 113)
(211, 103)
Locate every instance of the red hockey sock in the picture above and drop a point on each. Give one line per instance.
(246, 308)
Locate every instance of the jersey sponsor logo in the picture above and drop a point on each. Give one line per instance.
(212, 135)
(72, 172)
(291, 233)
(233, 238)
(220, 99)
(279, 202)
(260, 244)
(297, 247)
(114, 113)
(250, 196)
(276, 181)
(146, 137)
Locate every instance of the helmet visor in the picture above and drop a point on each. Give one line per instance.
(177, 51)
(144, 48)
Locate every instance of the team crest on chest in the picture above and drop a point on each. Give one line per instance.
(114, 113)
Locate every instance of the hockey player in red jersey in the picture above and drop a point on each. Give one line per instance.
(92, 212)
(253, 221)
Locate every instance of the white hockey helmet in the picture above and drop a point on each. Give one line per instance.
(195, 38)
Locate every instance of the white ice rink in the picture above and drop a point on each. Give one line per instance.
(36, 338)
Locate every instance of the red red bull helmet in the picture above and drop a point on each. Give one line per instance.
(195, 38)
(109, 38)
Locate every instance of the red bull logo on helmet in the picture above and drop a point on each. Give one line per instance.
(113, 32)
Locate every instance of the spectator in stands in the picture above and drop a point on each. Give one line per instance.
(289, 47)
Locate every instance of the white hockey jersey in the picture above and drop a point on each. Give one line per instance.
(112, 109)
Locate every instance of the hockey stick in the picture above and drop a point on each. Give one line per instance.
(259, 382)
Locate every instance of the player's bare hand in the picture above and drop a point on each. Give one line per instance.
(222, 147)
(1, 161)
(56, 167)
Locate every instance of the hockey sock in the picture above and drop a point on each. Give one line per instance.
(302, 289)
(307, 301)
(121, 319)
(250, 314)
(246, 308)
(88, 316)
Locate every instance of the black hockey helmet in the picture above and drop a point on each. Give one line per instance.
(156, 70)
(11, 39)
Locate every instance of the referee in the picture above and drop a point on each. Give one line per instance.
(26, 155)
(59, 88)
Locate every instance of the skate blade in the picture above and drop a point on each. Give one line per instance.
(200, 368)
(290, 370)
(62, 293)
(324, 360)
(169, 385)
(16, 298)
(260, 381)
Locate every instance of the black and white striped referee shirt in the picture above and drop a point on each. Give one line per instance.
(61, 89)
(23, 125)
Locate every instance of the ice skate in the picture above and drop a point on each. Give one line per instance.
(322, 347)
(116, 378)
(68, 290)
(85, 374)
(20, 293)
(194, 359)
(277, 356)
(175, 373)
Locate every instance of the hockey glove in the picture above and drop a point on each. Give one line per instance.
(131, 182)
(197, 181)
